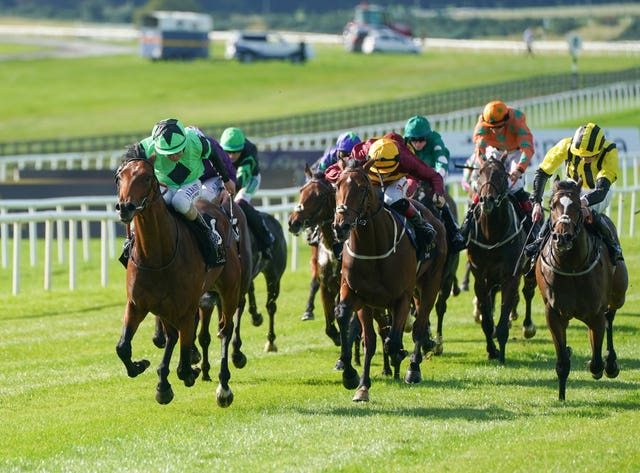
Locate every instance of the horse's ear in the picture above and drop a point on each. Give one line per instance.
(579, 183)
(554, 184)
(367, 164)
(307, 170)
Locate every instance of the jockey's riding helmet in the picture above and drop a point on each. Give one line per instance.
(495, 114)
(587, 141)
(346, 142)
(232, 140)
(385, 156)
(417, 127)
(169, 136)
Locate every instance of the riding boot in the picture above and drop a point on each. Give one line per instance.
(264, 238)
(337, 248)
(602, 229)
(210, 242)
(126, 250)
(456, 241)
(532, 250)
(465, 228)
(425, 233)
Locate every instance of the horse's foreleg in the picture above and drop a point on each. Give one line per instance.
(509, 300)
(485, 298)
(185, 371)
(365, 317)
(596, 337)
(528, 291)
(256, 317)
(164, 392)
(131, 321)
(273, 291)
(159, 338)
(328, 305)
(313, 289)
(611, 368)
(558, 328)
(343, 311)
(224, 395)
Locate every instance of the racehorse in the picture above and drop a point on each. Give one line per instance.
(166, 276)
(316, 207)
(380, 271)
(449, 284)
(495, 245)
(577, 278)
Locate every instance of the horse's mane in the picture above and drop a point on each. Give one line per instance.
(318, 175)
(352, 163)
(567, 185)
(133, 152)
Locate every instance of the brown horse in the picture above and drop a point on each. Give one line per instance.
(576, 278)
(316, 207)
(494, 249)
(380, 271)
(166, 276)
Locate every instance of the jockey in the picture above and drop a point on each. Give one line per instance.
(344, 144)
(592, 158)
(244, 155)
(428, 145)
(393, 162)
(178, 156)
(501, 128)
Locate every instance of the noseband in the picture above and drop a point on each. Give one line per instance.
(362, 206)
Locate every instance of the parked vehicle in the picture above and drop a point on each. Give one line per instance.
(368, 17)
(175, 35)
(249, 46)
(385, 40)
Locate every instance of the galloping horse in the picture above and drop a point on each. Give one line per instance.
(379, 272)
(577, 278)
(166, 276)
(316, 206)
(494, 250)
(424, 195)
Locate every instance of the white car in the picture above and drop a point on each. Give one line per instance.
(385, 40)
(249, 46)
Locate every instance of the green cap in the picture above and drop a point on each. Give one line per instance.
(232, 140)
(417, 127)
(169, 136)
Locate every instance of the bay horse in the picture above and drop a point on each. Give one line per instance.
(316, 207)
(449, 283)
(495, 245)
(380, 271)
(166, 276)
(577, 279)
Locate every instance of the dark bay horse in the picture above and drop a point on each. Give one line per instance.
(380, 271)
(166, 276)
(494, 250)
(316, 207)
(577, 279)
(449, 284)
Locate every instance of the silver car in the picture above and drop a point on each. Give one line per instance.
(249, 46)
(386, 40)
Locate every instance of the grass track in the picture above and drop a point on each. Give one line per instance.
(67, 404)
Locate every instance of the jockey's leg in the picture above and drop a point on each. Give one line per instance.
(465, 228)
(602, 229)
(457, 243)
(425, 233)
(208, 239)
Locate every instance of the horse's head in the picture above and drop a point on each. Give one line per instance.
(316, 205)
(565, 213)
(137, 184)
(493, 184)
(353, 191)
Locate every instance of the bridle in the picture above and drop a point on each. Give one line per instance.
(328, 190)
(360, 218)
(146, 200)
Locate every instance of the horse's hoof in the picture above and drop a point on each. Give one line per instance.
(270, 347)
(495, 355)
(239, 360)
(138, 367)
(165, 396)
(159, 341)
(413, 376)
(514, 315)
(224, 397)
(339, 366)
(455, 291)
(612, 370)
(361, 395)
(257, 319)
(429, 345)
(439, 346)
(597, 374)
(308, 315)
(529, 331)
(350, 379)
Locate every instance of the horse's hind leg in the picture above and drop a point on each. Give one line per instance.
(159, 338)
(204, 338)
(611, 368)
(596, 337)
(224, 395)
(558, 328)
(164, 392)
(313, 289)
(528, 291)
(185, 371)
(273, 291)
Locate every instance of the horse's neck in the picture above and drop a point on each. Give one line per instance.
(328, 236)
(498, 223)
(377, 221)
(155, 234)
